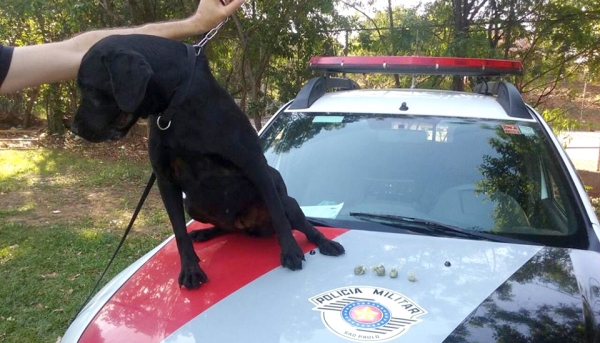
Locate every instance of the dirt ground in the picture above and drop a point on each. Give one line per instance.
(110, 206)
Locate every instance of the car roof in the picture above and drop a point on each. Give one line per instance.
(418, 102)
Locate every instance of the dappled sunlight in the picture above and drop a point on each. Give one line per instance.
(89, 233)
(9, 252)
(16, 163)
(44, 187)
(61, 167)
(24, 170)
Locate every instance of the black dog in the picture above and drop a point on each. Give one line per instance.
(200, 144)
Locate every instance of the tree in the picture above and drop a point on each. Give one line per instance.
(25, 22)
(262, 58)
(273, 33)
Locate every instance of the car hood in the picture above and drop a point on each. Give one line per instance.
(447, 290)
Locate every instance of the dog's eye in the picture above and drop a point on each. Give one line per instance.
(103, 99)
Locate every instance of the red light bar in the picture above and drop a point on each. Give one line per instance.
(417, 65)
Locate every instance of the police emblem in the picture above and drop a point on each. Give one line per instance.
(367, 314)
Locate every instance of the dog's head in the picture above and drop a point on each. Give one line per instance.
(113, 85)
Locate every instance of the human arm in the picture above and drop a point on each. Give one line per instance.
(52, 62)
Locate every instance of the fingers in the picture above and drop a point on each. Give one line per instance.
(232, 6)
(228, 7)
(211, 12)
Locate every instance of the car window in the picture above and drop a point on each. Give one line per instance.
(494, 176)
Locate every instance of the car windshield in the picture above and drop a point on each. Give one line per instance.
(482, 175)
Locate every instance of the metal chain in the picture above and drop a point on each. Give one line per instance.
(209, 36)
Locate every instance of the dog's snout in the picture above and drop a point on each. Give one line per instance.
(115, 135)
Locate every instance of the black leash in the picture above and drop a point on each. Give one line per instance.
(135, 214)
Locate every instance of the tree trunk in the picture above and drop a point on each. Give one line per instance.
(258, 122)
(460, 13)
(55, 113)
(393, 37)
(509, 27)
(29, 108)
(255, 105)
(15, 110)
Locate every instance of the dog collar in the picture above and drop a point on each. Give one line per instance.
(181, 90)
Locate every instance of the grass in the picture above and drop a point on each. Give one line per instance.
(26, 168)
(61, 217)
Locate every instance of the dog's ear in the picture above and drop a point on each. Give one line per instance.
(129, 74)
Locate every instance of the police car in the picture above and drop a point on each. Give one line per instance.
(462, 218)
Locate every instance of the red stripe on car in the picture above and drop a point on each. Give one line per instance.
(150, 305)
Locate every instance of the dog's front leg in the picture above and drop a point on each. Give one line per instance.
(291, 254)
(191, 275)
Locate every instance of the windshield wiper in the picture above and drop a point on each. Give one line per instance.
(423, 226)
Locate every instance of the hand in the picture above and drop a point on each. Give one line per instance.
(211, 12)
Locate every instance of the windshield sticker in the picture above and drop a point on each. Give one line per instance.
(526, 130)
(329, 211)
(511, 129)
(367, 314)
(328, 119)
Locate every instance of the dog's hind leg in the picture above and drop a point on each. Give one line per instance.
(298, 220)
(255, 166)
(204, 235)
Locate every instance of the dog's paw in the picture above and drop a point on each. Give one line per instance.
(331, 248)
(192, 278)
(201, 235)
(292, 258)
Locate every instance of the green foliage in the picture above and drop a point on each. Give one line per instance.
(559, 121)
(27, 22)
(262, 59)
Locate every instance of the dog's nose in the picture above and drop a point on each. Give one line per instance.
(115, 135)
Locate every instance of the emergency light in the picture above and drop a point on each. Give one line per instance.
(417, 65)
